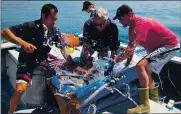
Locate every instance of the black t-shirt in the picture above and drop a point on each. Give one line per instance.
(108, 39)
(33, 32)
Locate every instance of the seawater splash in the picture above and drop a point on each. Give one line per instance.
(118, 68)
(99, 66)
(95, 79)
(96, 73)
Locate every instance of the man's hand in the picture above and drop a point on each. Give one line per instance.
(128, 61)
(117, 59)
(87, 50)
(27, 47)
(125, 54)
(113, 55)
(87, 55)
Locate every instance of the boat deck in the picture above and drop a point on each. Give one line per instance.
(154, 108)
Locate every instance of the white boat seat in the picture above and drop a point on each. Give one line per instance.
(14, 55)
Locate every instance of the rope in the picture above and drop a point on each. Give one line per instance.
(128, 95)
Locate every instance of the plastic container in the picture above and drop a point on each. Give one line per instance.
(71, 40)
(170, 104)
(55, 82)
(61, 87)
(67, 88)
(108, 63)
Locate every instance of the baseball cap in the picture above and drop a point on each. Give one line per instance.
(86, 5)
(124, 9)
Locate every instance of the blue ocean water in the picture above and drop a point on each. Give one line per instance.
(71, 18)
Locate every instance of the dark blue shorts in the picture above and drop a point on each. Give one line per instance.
(24, 72)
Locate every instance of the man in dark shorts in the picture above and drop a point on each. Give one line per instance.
(161, 44)
(34, 38)
(100, 35)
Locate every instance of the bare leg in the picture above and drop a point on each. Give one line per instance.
(142, 73)
(151, 81)
(15, 99)
(153, 91)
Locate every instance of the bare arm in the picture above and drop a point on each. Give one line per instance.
(8, 35)
(139, 33)
(64, 53)
(128, 61)
(86, 50)
(128, 52)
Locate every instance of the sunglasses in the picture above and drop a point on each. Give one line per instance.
(100, 24)
(120, 17)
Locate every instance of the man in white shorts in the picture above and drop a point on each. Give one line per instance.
(161, 44)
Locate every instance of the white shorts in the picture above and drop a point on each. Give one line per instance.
(161, 56)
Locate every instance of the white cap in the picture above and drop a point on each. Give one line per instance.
(101, 13)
